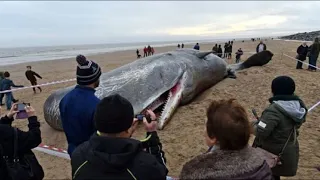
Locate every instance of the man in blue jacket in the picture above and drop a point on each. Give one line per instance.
(77, 108)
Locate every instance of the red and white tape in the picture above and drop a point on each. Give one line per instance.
(53, 151)
(301, 61)
(40, 85)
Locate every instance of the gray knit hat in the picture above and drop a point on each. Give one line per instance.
(88, 71)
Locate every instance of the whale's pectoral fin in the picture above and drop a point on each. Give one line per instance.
(201, 55)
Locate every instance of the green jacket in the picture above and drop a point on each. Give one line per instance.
(284, 114)
(315, 49)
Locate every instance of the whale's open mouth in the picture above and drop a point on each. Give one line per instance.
(167, 102)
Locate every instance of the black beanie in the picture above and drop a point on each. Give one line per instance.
(283, 85)
(88, 72)
(114, 114)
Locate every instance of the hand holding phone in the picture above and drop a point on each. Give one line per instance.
(22, 113)
(150, 121)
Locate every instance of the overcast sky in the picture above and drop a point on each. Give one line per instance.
(84, 22)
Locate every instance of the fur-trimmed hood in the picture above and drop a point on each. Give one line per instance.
(221, 164)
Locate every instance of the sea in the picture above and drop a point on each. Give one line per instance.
(10, 56)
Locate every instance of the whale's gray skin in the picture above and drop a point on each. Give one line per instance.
(177, 75)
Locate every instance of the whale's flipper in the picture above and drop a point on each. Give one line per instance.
(201, 55)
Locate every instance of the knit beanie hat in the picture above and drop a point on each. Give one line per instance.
(88, 72)
(283, 85)
(114, 114)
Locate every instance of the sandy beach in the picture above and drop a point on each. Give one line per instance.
(183, 137)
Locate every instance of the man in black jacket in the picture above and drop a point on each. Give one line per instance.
(112, 154)
(302, 52)
(26, 141)
(31, 77)
(219, 51)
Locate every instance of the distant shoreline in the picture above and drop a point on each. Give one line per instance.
(39, 54)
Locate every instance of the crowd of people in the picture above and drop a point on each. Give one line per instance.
(6, 84)
(100, 145)
(147, 51)
(312, 52)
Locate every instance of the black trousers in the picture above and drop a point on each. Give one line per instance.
(33, 83)
(299, 64)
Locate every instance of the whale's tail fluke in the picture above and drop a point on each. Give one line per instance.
(258, 59)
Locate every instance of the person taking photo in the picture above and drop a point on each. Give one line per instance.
(111, 153)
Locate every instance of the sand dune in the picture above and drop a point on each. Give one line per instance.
(183, 136)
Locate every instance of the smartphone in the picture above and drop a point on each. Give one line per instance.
(21, 107)
(22, 114)
(140, 117)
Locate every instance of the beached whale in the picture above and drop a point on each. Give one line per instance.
(160, 82)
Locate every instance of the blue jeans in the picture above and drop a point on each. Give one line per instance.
(313, 61)
(9, 98)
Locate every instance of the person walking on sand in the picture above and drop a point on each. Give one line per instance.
(302, 52)
(239, 53)
(261, 47)
(152, 50)
(6, 85)
(314, 54)
(77, 107)
(182, 45)
(196, 47)
(31, 76)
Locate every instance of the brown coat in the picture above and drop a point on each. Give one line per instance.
(221, 164)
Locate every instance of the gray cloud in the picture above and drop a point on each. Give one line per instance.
(52, 23)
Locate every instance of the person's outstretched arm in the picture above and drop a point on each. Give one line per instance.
(13, 85)
(36, 74)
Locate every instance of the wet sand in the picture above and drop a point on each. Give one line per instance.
(183, 137)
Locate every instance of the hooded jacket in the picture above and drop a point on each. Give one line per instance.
(119, 158)
(284, 114)
(225, 164)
